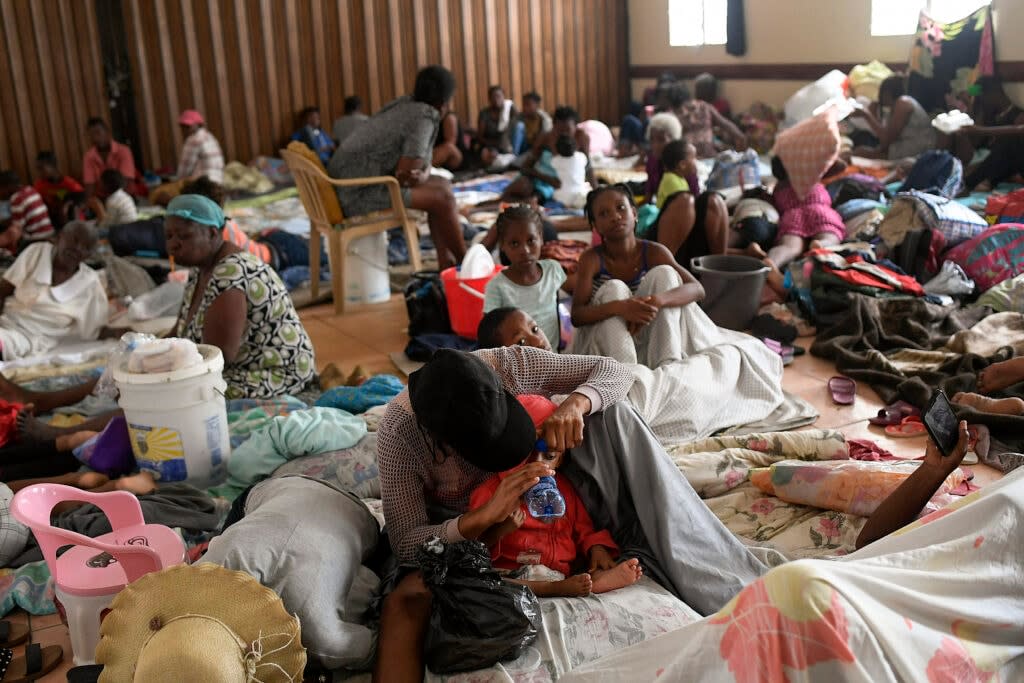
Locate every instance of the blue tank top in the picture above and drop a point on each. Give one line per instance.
(604, 276)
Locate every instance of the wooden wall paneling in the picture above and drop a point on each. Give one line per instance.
(266, 45)
(173, 108)
(491, 39)
(372, 72)
(143, 88)
(251, 91)
(445, 35)
(469, 83)
(423, 31)
(516, 52)
(11, 145)
(320, 64)
(69, 67)
(24, 109)
(192, 58)
(395, 37)
(537, 53)
(346, 48)
(51, 102)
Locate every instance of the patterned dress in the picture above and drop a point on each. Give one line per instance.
(276, 355)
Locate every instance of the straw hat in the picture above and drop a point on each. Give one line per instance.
(199, 623)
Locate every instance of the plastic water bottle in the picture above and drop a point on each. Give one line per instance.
(544, 500)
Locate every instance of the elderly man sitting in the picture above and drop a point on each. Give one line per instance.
(50, 294)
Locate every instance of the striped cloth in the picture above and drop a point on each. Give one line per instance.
(201, 156)
(28, 212)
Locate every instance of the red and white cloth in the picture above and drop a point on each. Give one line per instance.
(808, 149)
(29, 214)
(201, 156)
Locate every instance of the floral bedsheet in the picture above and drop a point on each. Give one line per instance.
(718, 468)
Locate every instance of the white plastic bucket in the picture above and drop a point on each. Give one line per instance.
(366, 270)
(178, 421)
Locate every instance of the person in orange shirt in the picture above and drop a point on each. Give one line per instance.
(108, 153)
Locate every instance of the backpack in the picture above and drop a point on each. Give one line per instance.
(935, 172)
(426, 305)
(993, 256)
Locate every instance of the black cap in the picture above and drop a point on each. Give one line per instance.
(462, 402)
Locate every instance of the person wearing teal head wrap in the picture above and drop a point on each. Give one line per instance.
(238, 303)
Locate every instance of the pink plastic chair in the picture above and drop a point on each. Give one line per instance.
(88, 575)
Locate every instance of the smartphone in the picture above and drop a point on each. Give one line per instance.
(941, 423)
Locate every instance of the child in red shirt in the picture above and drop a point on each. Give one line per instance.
(525, 540)
(60, 192)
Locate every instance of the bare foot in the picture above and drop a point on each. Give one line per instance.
(140, 484)
(578, 586)
(754, 250)
(814, 244)
(90, 480)
(626, 573)
(1001, 375)
(32, 430)
(69, 442)
(984, 404)
(11, 392)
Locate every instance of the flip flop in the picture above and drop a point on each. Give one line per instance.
(37, 662)
(908, 428)
(784, 351)
(843, 389)
(894, 413)
(11, 634)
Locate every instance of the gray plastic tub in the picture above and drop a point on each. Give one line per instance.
(732, 287)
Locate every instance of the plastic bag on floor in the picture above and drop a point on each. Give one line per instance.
(476, 619)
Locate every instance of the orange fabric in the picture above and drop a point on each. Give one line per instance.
(327, 194)
(8, 421)
(237, 236)
(556, 545)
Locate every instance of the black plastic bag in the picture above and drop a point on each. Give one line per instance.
(426, 305)
(476, 619)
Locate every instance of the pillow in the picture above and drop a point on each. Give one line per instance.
(808, 149)
(328, 195)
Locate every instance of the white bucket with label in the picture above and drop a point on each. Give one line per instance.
(177, 421)
(366, 270)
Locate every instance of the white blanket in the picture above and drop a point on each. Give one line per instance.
(941, 600)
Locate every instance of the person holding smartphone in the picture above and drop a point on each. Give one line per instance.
(905, 503)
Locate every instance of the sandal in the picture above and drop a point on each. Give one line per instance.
(843, 389)
(37, 662)
(12, 635)
(909, 427)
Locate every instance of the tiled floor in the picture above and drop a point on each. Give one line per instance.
(366, 335)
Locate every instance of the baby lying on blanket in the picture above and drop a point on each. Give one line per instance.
(549, 550)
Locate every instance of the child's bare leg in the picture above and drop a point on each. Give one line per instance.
(716, 224)
(32, 430)
(1001, 375)
(787, 248)
(80, 480)
(140, 484)
(573, 587)
(625, 573)
(676, 222)
(1000, 406)
(69, 442)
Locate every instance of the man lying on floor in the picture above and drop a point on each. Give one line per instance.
(50, 294)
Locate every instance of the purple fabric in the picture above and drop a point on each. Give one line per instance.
(110, 451)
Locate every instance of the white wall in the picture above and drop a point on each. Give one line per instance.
(797, 32)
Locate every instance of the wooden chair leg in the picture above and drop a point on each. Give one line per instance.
(338, 246)
(315, 240)
(412, 241)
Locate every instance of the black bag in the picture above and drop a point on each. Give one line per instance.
(145, 237)
(476, 618)
(426, 305)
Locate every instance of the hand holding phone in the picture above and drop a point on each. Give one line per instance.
(942, 425)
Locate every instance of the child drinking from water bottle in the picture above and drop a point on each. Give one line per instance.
(551, 550)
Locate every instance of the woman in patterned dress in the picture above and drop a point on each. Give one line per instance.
(237, 303)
